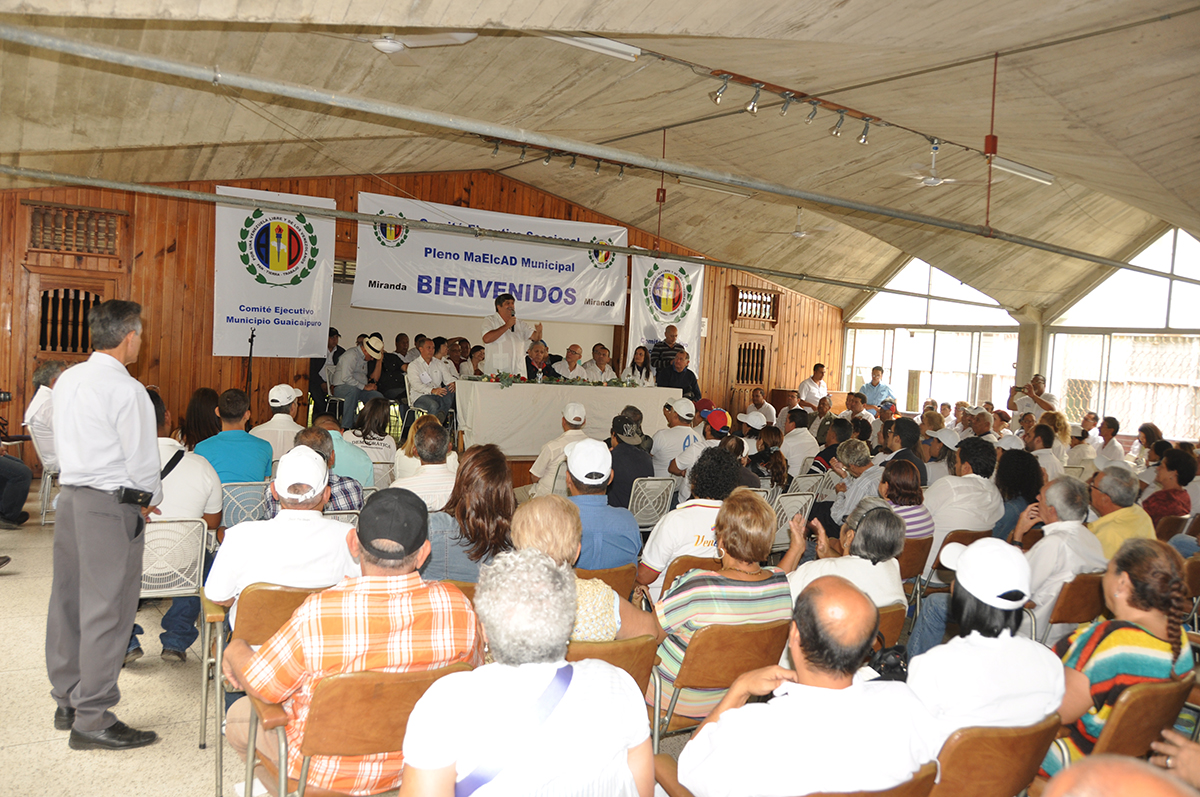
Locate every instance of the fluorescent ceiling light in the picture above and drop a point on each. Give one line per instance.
(600, 45)
(720, 188)
(1021, 170)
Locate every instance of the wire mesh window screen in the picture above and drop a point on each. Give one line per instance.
(63, 326)
(77, 230)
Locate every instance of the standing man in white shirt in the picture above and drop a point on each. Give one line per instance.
(599, 370)
(505, 339)
(281, 430)
(431, 382)
(1109, 446)
(1031, 398)
(759, 403)
(569, 368)
(105, 434)
(812, 389)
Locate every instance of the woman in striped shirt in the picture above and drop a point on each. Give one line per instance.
(740, 592)
(901, 488)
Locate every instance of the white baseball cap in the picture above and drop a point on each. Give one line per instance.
(1010, 442)
(992, 570)
(684, 408)
(301, 465)
(1077, 431)
(589, 461)
(1102, 462)
(574, 413)
(948, 437)
(283, 395)
(755, 419)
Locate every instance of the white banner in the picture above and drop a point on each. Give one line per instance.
(419, 271)
(274, 274)
(663, 293)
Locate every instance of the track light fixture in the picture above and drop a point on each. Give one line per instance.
(496, 149)
(836, 130)
(788, 99)
(621, 174)
(862, 139)
(808, 120)
(715, 96)
(522, 160)
(572, 166)
(752, 106)
(546, 160)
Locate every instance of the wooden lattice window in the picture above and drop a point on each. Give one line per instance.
(751, 364)
(755, 305)
(74, 230)
(64, 320)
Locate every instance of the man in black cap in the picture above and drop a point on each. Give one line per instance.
(629, 461)
(389, 619)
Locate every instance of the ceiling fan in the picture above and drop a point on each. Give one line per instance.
(396, 47)
(929, 178)
(800, 231)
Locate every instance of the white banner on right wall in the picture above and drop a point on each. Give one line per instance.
(663, 293)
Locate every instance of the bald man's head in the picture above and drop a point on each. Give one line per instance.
(1111, 775)
(836, 625)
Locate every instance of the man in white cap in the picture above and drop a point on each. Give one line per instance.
(941, 443)
(545, 467)
(297, 548)
(351, 380)
(281, 430)
(669, 443)
(987, 675)
(1081, 454)
(610, 534)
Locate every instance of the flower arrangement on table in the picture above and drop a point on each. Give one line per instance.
(505, 379)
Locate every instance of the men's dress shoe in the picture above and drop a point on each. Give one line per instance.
(132, 656)
(14, 522)
(171, 654)
(9, 525)
(117, 736)
(64, 718)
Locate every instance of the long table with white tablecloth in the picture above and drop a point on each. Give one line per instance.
(521, 417)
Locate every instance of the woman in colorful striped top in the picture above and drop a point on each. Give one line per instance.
(740, 592)
(1146, 592)
(901, 488)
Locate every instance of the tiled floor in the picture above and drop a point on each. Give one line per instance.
(155, 694)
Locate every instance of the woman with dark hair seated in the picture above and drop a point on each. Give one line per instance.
(987, 675)
(862, 430)
(1019, 480)
(901, 488)
(768, 462)
(1146, 592)
(473, 525)
(370, 435)
(1175, 471)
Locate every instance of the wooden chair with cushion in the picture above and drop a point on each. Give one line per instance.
(891, 623)
(715, 656)
(262, 610)
(636, 656)
(1193, 526)
(351, 714)
(1080, 600)
(621, 579)
(928, 586)
(993, 762)
(1167, 527)
(683, 564)
(666, 773)
(912, 564)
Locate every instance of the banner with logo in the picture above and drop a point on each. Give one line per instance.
(274, 274)
(665, 293)
(400, 268)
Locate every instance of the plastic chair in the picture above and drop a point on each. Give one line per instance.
(636, 656)
(805, 483)
(243, 502)
(891, 623)
(173, 560)
(993, 762)
(262, 610)
(666, 774)
(760, 492)
(715, 656)
(683, 564)
(560, 478)
(351, 714)
(621, 579)
(350, 517)
(49, 477)
(787, 506)
(650, 499)
(1170, 525)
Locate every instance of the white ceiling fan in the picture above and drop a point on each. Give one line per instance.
(396, 47)
(929, 178)
(801, 231)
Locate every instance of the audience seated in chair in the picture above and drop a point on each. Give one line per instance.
(345, 494)
(434, 481)
(610, 534)
(280, 430)
(473, 525)
(545, 467)
(630, 462)
(236, 455)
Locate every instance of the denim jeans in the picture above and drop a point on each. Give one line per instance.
(15, 478)
(352, 395)
(1186, 545)
(930, 626)
(179, 621)
(437, 405)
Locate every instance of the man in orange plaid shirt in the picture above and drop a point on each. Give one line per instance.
(388, 620)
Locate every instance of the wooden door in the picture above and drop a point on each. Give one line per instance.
(751, 365)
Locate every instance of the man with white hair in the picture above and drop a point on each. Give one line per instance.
(1114, 495)
(545, 467)
(281, 430)
(297, 548)
(540, 725)
(1067, 548)
(981, 424)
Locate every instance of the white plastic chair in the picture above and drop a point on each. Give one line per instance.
(49, 477)
(173, 561)
(805, 483)
(787, 506)
(560, 478)
(243, 501)
(650, 499)
(350, 517)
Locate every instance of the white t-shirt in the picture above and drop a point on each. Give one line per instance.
(381, 450)
(507, 352)
(798, 445)
(869, 736)
(1112, 449)
(594, 374)
(970, 503)
(280, 432)
(432, 483)
(39, 418)
(1026, 404)
(192, 488)
(404, 466)
(545, 467)
(582, 747)
(1050, 463)
(971, 681)
(296, 548)
(812, 392)
(686, 530)
(686, 460)
(668, 445)
(563, 369)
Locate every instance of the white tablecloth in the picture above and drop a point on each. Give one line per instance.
(521, 418)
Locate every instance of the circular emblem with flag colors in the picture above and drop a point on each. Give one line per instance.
(668, 291)
(601, 258)
(390, 235)
(278, 250)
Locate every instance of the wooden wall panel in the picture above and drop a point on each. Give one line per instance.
(167, 266)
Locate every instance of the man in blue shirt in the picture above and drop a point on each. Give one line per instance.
(348, 459)
(610, 534)
(877, 392)
(234, 453)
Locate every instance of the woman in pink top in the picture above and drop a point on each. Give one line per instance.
(901, 488)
